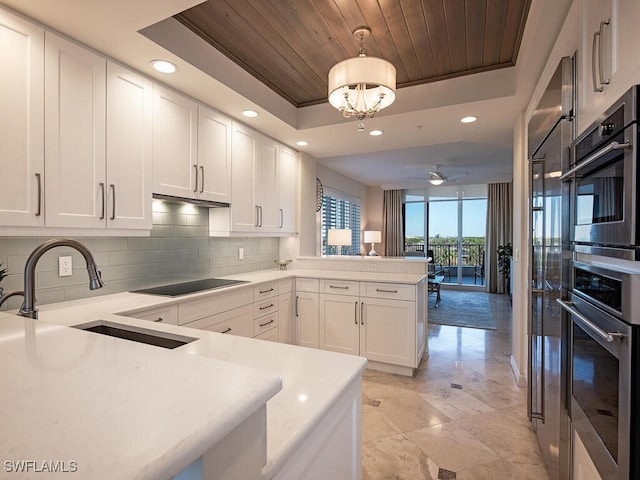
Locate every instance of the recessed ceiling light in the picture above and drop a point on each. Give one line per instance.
(250, 113)
(469, 119)
(302, 143)
(163, 66)
(375, 133)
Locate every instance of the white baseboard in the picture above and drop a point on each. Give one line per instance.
(521, 380)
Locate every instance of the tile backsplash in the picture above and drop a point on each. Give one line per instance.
(179, 249)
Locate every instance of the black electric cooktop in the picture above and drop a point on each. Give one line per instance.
(177, 289)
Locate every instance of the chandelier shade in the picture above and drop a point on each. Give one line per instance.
(361, 86)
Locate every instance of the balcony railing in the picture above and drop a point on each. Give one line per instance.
(446, 254)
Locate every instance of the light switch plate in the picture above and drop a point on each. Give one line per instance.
(65, 266)
(240, 253)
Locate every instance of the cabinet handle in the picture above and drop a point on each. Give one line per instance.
(113, 201)
(362, 313)
(268, 306)
(594, 49)
(265, 324)
(257, 216)
(202, 179)
(39, 210)
(103, 202)
(338, 287)
(260, 207)
(281, 218)
(227, 330)
(355, 312)
(600, 52)
(195, 167)
(266, 291)
(297, 306)
(159, 319)
(382, 290)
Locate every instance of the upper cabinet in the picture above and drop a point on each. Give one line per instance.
(75, 140)
(129, 148)
(607, 61)
(191, 149)
(21, 122)
(263, 176)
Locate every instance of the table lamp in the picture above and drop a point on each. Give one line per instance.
(339, 237)
(372, 237)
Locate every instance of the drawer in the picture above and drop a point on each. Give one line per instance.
(265, 290)
(270, 335)
(397, 291)
(307, 284)
(265, 323)
(213, 304)
(340, 287)
(265, 307)
(238, 321)
(285, 285)
(167, 314)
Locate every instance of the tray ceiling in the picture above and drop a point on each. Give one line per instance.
(290, 45)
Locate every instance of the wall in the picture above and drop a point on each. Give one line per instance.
(179, 249)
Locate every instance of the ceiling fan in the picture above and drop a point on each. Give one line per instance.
(437, 178)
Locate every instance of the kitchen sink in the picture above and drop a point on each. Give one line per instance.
(136, 334)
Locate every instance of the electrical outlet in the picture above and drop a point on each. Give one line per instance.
(65, 266)
(371, 267)
(240, 253)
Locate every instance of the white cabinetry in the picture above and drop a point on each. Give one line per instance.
(75, 115)
(339, 323)
(214, 156)
(286, 331)
(306, 311)
(22, 122)
(263, 179)
(607, 59)
(129, 149)
(175, 166)
(288, 167)
(168, 314)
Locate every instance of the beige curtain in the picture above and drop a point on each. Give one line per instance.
(392, 228)
(499, 231)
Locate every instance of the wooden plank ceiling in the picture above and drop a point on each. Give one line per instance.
(290, 45)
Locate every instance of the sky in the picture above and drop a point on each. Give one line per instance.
(444, 218)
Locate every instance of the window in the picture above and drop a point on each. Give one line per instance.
(340, 210)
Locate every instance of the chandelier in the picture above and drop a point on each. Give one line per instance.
(361, 86)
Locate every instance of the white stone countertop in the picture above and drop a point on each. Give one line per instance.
(116, 409)
(311, 379)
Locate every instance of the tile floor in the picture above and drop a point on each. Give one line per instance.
(461, 416)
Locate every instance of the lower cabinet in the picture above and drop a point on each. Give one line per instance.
(583, 467)
(286, 328)
(339, 323)
(307, 319)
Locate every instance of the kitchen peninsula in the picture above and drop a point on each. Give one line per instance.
(206, 404)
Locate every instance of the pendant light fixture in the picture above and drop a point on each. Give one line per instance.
(361, 86)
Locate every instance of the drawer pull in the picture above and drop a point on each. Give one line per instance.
(355, 313)
(265, 324)
(159, 319)
(339, 287)
(382, 290)
(266, 291)
(268, 306)
(227, 330)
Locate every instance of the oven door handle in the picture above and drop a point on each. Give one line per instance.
(589, 160)
(607, 336)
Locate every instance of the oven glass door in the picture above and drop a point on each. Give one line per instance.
(600, 195)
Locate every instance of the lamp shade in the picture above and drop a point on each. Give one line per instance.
(372, 236)
(339, 236)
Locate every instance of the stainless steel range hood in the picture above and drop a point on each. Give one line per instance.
(193, 201)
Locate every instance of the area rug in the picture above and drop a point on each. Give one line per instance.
(461, 309)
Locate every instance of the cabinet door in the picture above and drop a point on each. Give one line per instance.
(22, 121)
(174, 144)
(267, 184)
(129, 149)
(583, 467)
(307, 319)
(75, 115)
(214, 156)
(287, 200)
(244, 216)
(339, 324)
(590, 14)
(387, 331)
(285, 318)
